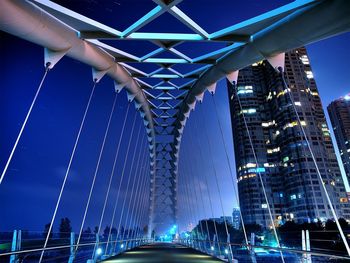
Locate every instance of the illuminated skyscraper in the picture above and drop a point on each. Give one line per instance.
(236, 218)
(287, 169)
(339, 113)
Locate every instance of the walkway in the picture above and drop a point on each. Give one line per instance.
(162, 252)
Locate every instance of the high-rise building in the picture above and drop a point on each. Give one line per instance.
(286, 166)
(339, 113)
(236, 218)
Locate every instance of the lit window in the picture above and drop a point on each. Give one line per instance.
(286, 159)
(248, 111)
(283, 92)
(292, 124)
(264, 206)
(274, 150)
(297, 103)
(309, 74)
(269, 97)
(267, 124)
(260, 170)
(244, 89)
(343, 200)
(293, 197)
(305, 60)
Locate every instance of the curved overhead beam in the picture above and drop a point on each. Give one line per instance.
(29, 22)
(311, 23)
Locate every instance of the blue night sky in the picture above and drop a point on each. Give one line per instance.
(31, 186)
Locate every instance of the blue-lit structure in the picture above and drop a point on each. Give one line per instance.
(165, 106)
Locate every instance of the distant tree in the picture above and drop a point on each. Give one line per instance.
(205, 226)
(88, 231)
(114, 231)
(330, 225)
(106, 231)
(46, 230)
(253, 228)
(65, 228)
(88, 234)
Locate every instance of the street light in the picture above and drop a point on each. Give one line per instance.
(99, 251)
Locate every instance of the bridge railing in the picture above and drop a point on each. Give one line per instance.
(15, 247)
(239, 252)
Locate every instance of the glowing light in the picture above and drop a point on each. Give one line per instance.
(212, 248)
(122, 246)
(347, 97)
(226, 251)
(99, 251)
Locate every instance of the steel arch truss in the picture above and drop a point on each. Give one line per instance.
(172, 92)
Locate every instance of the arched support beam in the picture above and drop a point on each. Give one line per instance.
(299, 28)
(27, 21)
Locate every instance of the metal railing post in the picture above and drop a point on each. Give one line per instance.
(72, 250)
(16, 245)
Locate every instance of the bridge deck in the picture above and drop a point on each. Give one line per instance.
(162, 252)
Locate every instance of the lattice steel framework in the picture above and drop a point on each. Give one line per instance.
(166, 95)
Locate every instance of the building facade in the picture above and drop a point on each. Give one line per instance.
(339, 113)
(284, 162)
(236, 218)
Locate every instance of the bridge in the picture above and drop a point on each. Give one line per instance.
(155, 149)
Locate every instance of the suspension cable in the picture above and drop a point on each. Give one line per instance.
(140, 205)
(230, 169)
(185, 173)
(115, 244)
(135, 176)
(216, 177)
(142, 201)
(190, 172)
(47, 68)
(67, 171)
(186, 181)
(186, 203)
(129, 177)
(138, 197)
(138, 172)
(121, 180)
(207, 185)
(113, 169)
(146, 194)
(315, 163)
(96, 171)
(200, 189)
(258, 171)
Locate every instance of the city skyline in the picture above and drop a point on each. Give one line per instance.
(270, 147)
